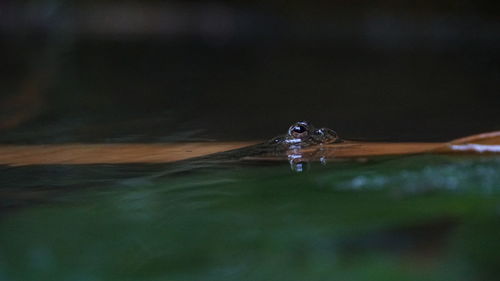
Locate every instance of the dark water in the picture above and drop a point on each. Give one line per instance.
(114, 92)
(390, 71)
(79, 73)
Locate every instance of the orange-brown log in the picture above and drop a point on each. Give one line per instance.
(19, 155)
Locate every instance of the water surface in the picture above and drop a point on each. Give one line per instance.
(399, 218)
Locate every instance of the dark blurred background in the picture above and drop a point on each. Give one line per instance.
(154, 71)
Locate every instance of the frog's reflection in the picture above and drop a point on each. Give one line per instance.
(299, 161)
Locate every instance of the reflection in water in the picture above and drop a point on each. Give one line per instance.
(481, 148)
(297, 163)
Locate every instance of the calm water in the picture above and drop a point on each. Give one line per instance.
(245, 71)
(404, 218)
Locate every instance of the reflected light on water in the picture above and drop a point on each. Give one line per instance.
(476, 147)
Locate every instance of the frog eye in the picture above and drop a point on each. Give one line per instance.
(299, 130)
(325, 135)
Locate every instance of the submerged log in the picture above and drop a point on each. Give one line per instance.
(22, 155)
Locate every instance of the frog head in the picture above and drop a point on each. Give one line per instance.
(303, 133)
